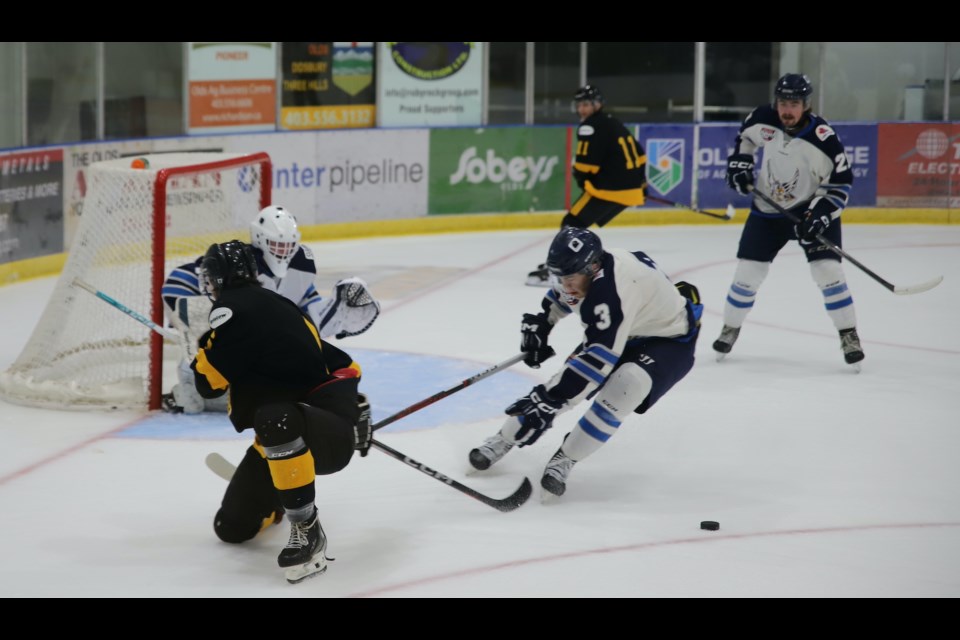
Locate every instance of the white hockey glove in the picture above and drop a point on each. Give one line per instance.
(350, 311)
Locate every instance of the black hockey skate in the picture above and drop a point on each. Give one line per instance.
(304, 555)
(723, 344)
(539, 277)
(850, 343)
(557, 471)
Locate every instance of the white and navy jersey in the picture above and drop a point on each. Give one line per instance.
(804, 170)
(629, 298)
(297, 285)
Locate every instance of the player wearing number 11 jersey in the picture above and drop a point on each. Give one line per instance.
(609, 166)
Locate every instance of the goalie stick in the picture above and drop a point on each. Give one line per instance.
(727, 215)
(166, 333)
(897, 289)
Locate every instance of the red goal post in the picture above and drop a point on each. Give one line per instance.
(140, 220)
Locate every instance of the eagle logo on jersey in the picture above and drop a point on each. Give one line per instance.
(783, 191)
(767, 133)
(824, 132)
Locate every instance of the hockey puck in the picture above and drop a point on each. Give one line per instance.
(710, 525)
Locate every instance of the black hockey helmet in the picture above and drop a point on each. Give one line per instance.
(574, 250)
(227, 265)
(588, 92)
(793, 86)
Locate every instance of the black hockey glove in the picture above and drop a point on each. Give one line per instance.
(363, 430)
(536, 412)
(810, 225)
(534, 331)
(740, 173)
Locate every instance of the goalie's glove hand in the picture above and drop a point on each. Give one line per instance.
(536, 412)
(354, 293)
(740, 173)
(810, 225)
(363, 430)
(534, 332)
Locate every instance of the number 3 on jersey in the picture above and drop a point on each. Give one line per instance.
(602, 312)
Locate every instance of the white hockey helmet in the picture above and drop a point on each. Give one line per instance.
(274, 231)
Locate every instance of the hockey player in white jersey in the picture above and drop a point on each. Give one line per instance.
(806, 171)
(284, 266)
(640, 334)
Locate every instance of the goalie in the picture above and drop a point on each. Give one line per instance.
(284, 266)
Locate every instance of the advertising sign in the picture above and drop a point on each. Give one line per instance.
(919, 165)
(232, 86)
(327, 85)
(497, 170)
(430, 84)
(31, 204)
(669, 150)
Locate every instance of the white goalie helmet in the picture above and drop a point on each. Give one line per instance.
(274, 231)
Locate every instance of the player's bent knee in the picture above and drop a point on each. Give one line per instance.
(278, 423)
(626, 389)
(330, 438)
(235, 530)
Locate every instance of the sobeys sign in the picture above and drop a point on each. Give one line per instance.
(496, 170)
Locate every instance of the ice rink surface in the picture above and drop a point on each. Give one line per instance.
(826, 483)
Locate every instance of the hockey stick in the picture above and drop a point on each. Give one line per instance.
(225, 469)
(509, 503)
(899, 290)
(509, 362)
(166, 333)
(728, 215)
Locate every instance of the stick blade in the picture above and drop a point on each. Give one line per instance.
(730, 212)
(918, 288)
(515, 499)
(220, 466)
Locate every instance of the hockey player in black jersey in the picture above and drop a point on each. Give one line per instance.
(640, 335)
(806, 171)
(609, 166)
(299, 395)
(284, 265)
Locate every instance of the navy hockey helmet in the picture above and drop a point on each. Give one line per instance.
(574, 250)
(793, 86)
(227, 265)
(588, 92)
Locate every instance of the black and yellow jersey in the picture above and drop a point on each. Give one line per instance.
(610, 164)
(264, 349)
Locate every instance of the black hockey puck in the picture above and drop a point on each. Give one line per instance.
(710, 525)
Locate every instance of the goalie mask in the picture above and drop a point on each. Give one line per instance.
(274, 231)
(226, 265)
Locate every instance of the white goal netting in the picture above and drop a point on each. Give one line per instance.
(137, 225)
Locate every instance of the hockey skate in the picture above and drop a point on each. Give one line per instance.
(169, 405)
(305, 553)
(493, 448)
(852, 351)
(723, 344)
(539, 277)
(555, 474)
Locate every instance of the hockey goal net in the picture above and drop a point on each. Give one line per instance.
(137, 225)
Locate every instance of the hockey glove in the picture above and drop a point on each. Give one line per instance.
(534, 331)
(740, 173)
(536, 412)
(811, 225)
(363, 430)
